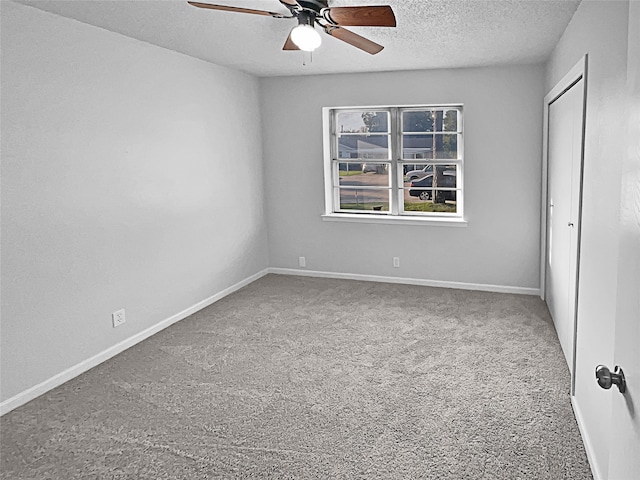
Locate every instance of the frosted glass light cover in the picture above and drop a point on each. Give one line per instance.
(306, 38)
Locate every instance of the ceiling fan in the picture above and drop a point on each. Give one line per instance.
(305, 37)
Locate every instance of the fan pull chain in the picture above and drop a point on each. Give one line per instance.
(304, 58)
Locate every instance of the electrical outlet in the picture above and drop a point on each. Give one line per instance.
(302, 262)
(396, 262)
(118, 318)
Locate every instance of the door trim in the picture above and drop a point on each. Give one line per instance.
(577, 73)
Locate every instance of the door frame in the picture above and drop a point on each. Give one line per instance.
(577, 73)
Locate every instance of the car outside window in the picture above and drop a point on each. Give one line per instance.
(394, 161)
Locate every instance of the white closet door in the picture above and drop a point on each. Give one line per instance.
(563, 212)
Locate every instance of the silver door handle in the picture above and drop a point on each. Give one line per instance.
(605, 378)
(569, 224)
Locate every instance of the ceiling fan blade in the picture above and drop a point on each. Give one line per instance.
(235, 9)
(291, 3)
(353, 39)
(375, 16)
(289, 45)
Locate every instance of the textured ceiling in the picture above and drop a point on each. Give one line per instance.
(430, 33)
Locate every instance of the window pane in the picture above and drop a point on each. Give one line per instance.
(430, 121)
(371, 175)
(363, 146)
(423, 179)
(362, 122)
(349, 168)
(360, 199)
(407, 167)
(416, 171)
(445, 203)
(417, 121)
(450, 123)
(417, 146)
(421, 196)
(447, 146)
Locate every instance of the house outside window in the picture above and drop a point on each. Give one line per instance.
(403, 162)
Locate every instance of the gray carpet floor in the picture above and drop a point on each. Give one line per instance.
(295, 377)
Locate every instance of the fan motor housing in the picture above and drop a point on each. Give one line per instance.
(313, 5)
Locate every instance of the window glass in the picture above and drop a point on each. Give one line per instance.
(418, 146)
(365, 199)
(363, 146)
(367, 189)
(446, 146)
(421, 195)
(419, 170)
(417, 121)
(450, 122)
(349, 168)
(371, 175)
(442, 120)
(362, 122)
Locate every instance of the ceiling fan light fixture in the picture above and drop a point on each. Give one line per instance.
(332, 20)
(306, 37)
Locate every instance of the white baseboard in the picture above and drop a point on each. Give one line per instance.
(407, 281)
(586, 439)
(72, 372)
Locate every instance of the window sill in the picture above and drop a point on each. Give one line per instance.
(394, 220)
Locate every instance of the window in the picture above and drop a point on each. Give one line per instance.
(403, 162)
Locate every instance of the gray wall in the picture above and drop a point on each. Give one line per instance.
(120, 167)
(599, 29)
(503, 131)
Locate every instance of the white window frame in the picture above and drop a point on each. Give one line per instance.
(396, 213)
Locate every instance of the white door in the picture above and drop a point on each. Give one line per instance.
(624, 455)
(564, 179)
